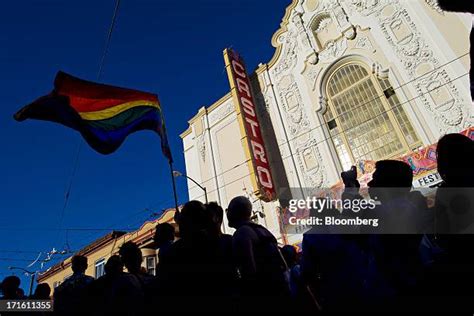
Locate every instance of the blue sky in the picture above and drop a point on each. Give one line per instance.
(172, 48)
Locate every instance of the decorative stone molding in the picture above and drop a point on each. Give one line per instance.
(365, 7)
(312, 74)
(442, 96)
(309, 162)
(300, 133)
(289, 56)
(323, 103)
(302, 34)
(221, 112)
(201, 146)
(379, 71)
(398, 28)
(334, 50)
(292, 105)
(364, 43)
(433, 4)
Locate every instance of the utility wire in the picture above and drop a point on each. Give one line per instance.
(80, 143)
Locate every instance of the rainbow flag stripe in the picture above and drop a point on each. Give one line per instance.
(104, 115)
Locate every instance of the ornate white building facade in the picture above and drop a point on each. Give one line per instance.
(350, 80)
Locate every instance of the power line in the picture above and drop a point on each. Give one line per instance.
(79, 145)
(18, 251)
(15, 259)
(109, 38)
(126, 218)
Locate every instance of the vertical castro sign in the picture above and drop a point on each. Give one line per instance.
(249, 126)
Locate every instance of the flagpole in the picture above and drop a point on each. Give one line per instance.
(174, 189)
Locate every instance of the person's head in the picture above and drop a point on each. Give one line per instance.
(164, 234)
(131, 256)
(20, 293)
(217, 214)
(194, 220)
(10, 286)
(42, 291)
(456, 6)
(114, 265)
(391, 179)
(239, 211)
(79, 264)
(454, 153)
(290, 254)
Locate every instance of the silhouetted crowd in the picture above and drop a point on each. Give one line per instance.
(207, 271)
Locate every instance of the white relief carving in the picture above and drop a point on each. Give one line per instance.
(443, 94)
(379, 71)
(402, 34)
(313, 178)
(341, 18)
(364, 43)
(288, 60)
(333, 50)
(221, 113)
(298, 125)
(292, 101)
(313, 74)
(201, 146)
(365, 7)
(323, 103)
(435, 6)
(323, 24)
(301, 31)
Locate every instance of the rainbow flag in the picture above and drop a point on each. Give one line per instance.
(104, 115)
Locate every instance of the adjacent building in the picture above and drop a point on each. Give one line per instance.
(103, 248)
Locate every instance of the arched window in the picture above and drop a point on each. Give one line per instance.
(365, 118)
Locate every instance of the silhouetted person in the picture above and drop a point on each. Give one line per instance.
(454, 157)
(401, 210)
(451, 275)
(294, 270)
(462, 6)
(396, 248)
(21, 293)
(103, 292)
(227, 266)
(258, 259)
(217, 213)
(334, 266)
(10, 287)
(131, 288)
(42, 292)
(69, 297)
(191, 276)
(164, 238)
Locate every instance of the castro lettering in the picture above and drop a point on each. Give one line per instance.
(252, 126)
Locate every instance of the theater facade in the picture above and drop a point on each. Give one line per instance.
(351, 82)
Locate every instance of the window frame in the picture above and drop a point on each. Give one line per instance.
(387, 109)
(99, 263)
(153, 266)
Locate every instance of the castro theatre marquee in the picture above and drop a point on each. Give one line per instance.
(351, 82)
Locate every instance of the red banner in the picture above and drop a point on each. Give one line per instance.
(250, 126)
